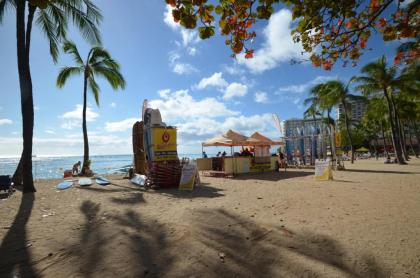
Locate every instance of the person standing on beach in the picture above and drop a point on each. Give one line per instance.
(76, 168)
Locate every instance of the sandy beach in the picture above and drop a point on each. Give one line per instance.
(365, 223)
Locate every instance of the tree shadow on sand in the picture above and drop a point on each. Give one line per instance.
(201, 191)
(274, 176)
(382, 171)
(133, 198)
(211, 243)
(245, 249)
(128, 247)
(15, 255)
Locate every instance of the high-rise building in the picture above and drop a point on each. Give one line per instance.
(358, 108)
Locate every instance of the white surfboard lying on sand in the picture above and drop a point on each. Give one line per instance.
(85, 181)
(138, 179)
(102, 181)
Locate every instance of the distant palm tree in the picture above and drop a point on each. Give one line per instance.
(326, 103)
(312, 112)
(376, 116)
(338, 93)
(381, 80)
(52, 18)
(98, 63)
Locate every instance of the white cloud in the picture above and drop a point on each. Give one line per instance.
(261, 97)
(179, 67)
(235, 90)
(188, 36)
(278, 46)
(123, 125)
(305, 87)
(49, 131)
(192, 51)
(74, 118)
(294, 88)
(77, 113)
(6, 122)
(183, 68)
(181, 105)
(205, 127)
(113, 104)
(174, 57)
(164, 93)
(36, 108)
(234, 69)
(215, 80)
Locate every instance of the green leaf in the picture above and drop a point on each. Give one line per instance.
(205, 32)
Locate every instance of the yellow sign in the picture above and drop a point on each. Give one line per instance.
(164, 143)
(338, 139)
(188, 177)
(323, 171)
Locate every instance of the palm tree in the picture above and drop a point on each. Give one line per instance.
(314, 105)
(52, 18)
(375, 118)
(326, 103)
(98, 63)
(338, 93)
(312, 112)
(381, 80)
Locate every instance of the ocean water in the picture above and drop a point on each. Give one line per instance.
(53, 167)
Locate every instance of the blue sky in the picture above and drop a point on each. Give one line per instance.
(195, 83)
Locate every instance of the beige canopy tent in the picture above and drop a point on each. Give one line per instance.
(230, 139)
(239, 164)
(264, 141)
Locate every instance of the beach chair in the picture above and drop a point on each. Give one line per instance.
(6, 185)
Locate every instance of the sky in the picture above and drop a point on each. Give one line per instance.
(194, 83)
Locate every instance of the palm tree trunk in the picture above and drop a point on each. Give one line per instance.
(398, 127)
(402, 136)
(313, 156)
(376, 147)
(394, 133)
(411, 144)
(416, 134)
(85, 135)
(18, 175)
(383, 136)
(332, 139)
(27, 107)
(348, 131)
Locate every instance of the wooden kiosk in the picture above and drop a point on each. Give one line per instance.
(256, 159)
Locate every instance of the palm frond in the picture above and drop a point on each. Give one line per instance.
(71, 48)
(65, 73)
(94, 88)
(114, 77)
(310, 101)
(87, 21)
(45, 22)
(59, 20)
(92, 11)
(5, 5)
(98, 54)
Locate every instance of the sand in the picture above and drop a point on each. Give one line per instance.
(365, 223)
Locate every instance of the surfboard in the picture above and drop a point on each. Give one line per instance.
(64, 185)
(85, 181)
(102, 181)
(138, 179)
